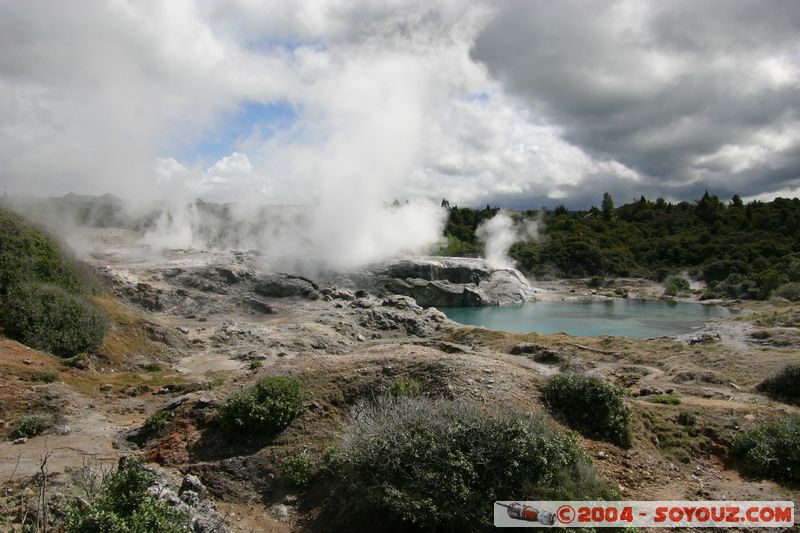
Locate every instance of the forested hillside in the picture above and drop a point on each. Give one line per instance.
(741, 250)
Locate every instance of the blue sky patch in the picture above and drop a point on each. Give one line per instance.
(481, 97)
(226, 136)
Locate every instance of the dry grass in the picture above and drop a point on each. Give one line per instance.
(127, 339)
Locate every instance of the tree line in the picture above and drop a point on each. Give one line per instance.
(740, 249)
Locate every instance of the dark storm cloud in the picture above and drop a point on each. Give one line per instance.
(688, 94)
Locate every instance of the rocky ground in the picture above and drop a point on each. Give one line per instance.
(189, 327)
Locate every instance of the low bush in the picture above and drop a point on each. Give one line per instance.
(789, 291)
(436, 463)
(156, 422)
(686, 418)
(591, 405)
(124, 505)
(405, 387)
(784, 384)
(595, 282)
(46, 377)
(31, 425)
(48, 318)
(676, 285)
(771, 450)
(299, 469)
(213, 384)
(265, 408)
(27, 254)
(41, 292)
(664, 399)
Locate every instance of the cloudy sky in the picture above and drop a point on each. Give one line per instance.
(516, 103)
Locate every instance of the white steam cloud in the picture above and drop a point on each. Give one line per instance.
(336, 108)
(500, 232)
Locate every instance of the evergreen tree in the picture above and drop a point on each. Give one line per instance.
(607, 206)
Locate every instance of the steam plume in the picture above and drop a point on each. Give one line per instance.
(500, 232)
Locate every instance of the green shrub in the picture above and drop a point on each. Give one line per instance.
(27, 254)
(213, 384)
(676, 285)
(153, 367)
(784, 384)
(31, 425)
(156, 422)
(436, 463)
(255, 365)
(767, 282)
(664, 399)
(405, 387)
(591, 405)
(771, 450)
(596, 282)
(41, 292)
(48, 318)
(300, 469)
(266, 408)
(46, 377)
(125, 506)
(687, 419)
(789, 291)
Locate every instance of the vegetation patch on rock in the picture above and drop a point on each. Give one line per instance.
(299, 468)
(436, 463)
(785, 384)
(591, 405)
(405, 387)
(31, 425)
(771, 450)
(42, 292)
(265, 408)
(47, 317)
(676, 286)
(124, 505)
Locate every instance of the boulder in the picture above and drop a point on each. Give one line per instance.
(454, 281)
(435, 293)
(452, 269)
(192, 483)
(286, 285)
(507, 286)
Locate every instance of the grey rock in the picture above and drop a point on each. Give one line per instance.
(212, 279)
(336, 293)
(142, 294)
(279, 510)
(192, 483)
(258, 306)
(285, 285)
(453, 270)
(507, 286)
(435, 293)
(453, 281)
(190, 498)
